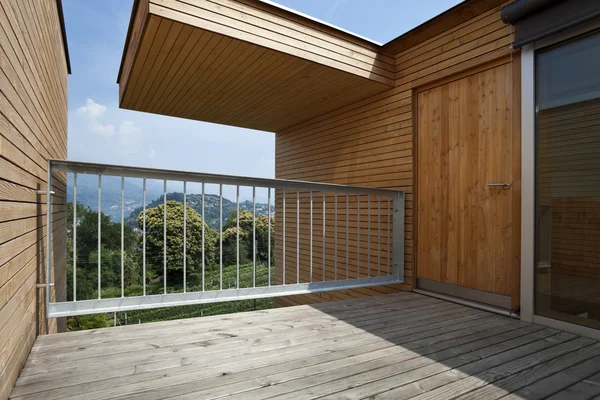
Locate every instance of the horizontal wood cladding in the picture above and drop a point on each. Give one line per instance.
(366, 144)
(33, 128)
(371, 142)
(479, 40)
(231, 63)
(463, 12)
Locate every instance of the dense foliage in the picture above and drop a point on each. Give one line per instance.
(155, 235)
(112, 257)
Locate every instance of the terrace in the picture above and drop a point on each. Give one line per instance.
(359, 137)
(327, 238)
(395, 346)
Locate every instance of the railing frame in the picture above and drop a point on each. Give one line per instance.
(102, 305)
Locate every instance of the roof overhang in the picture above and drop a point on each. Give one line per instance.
(244, 63)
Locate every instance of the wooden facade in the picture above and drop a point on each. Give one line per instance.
(373, 142)
(33, 128)
(338, 114)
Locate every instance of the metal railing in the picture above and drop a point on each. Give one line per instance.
(320, 237)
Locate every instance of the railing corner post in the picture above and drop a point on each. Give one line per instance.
(48, 237)
(398, 236)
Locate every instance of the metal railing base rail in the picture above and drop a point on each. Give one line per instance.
(118, 304)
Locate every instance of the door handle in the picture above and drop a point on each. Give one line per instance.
(505, 185)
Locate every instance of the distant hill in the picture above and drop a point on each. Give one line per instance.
(211, 207)
(87, 194)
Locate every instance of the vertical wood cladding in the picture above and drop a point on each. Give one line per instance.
(371, 142)
(33, 128)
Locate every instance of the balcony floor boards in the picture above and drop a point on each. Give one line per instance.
(395, 346)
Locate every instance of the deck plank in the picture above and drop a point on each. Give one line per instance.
(585, 389)
(264, 354)
(525, 379)
(392, 346)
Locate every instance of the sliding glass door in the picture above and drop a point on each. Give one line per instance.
(567, 277)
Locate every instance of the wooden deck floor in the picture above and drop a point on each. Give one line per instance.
(389, 347)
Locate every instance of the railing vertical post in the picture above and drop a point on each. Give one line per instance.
(184, 237)
(398, 239)
(237, 238)
(269, 235)
(221, 236)
(75, 236)
(369, 236)
(297, 237)
(99, 237)
(123, 236)
(165, 237)
(335, 236)
(323, 248)
(253, 236)
(203, 251)
(388, 239)
(378, 236)
(144, 236)
(347, 233)
(311, 237)
(358, 236)
(48, 236)
(283, 241)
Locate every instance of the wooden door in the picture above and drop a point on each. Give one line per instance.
(464, 143)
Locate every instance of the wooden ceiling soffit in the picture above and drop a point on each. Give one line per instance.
(236, 63)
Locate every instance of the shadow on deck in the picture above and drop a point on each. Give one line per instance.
(395, 346)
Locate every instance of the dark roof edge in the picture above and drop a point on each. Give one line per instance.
(521, 9)
(63, 30)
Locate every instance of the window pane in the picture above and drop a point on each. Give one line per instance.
(568, 182)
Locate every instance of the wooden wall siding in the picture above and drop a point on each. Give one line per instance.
(33, 128)
(461, 13)
(229, 63)
(371, 142)
(366, 144)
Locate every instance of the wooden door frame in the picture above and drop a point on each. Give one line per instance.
(515, 59)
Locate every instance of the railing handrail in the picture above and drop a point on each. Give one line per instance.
(82, 167)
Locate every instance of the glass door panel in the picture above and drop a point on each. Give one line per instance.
(567, 277)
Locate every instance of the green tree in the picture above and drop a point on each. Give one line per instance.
(87, 253)
(155, 236)
(85, 322)
(246, 236)
(230, 246)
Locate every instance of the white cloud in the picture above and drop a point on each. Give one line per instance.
(126, 140)
(92, 111)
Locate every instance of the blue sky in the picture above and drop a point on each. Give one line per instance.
(101, 132)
